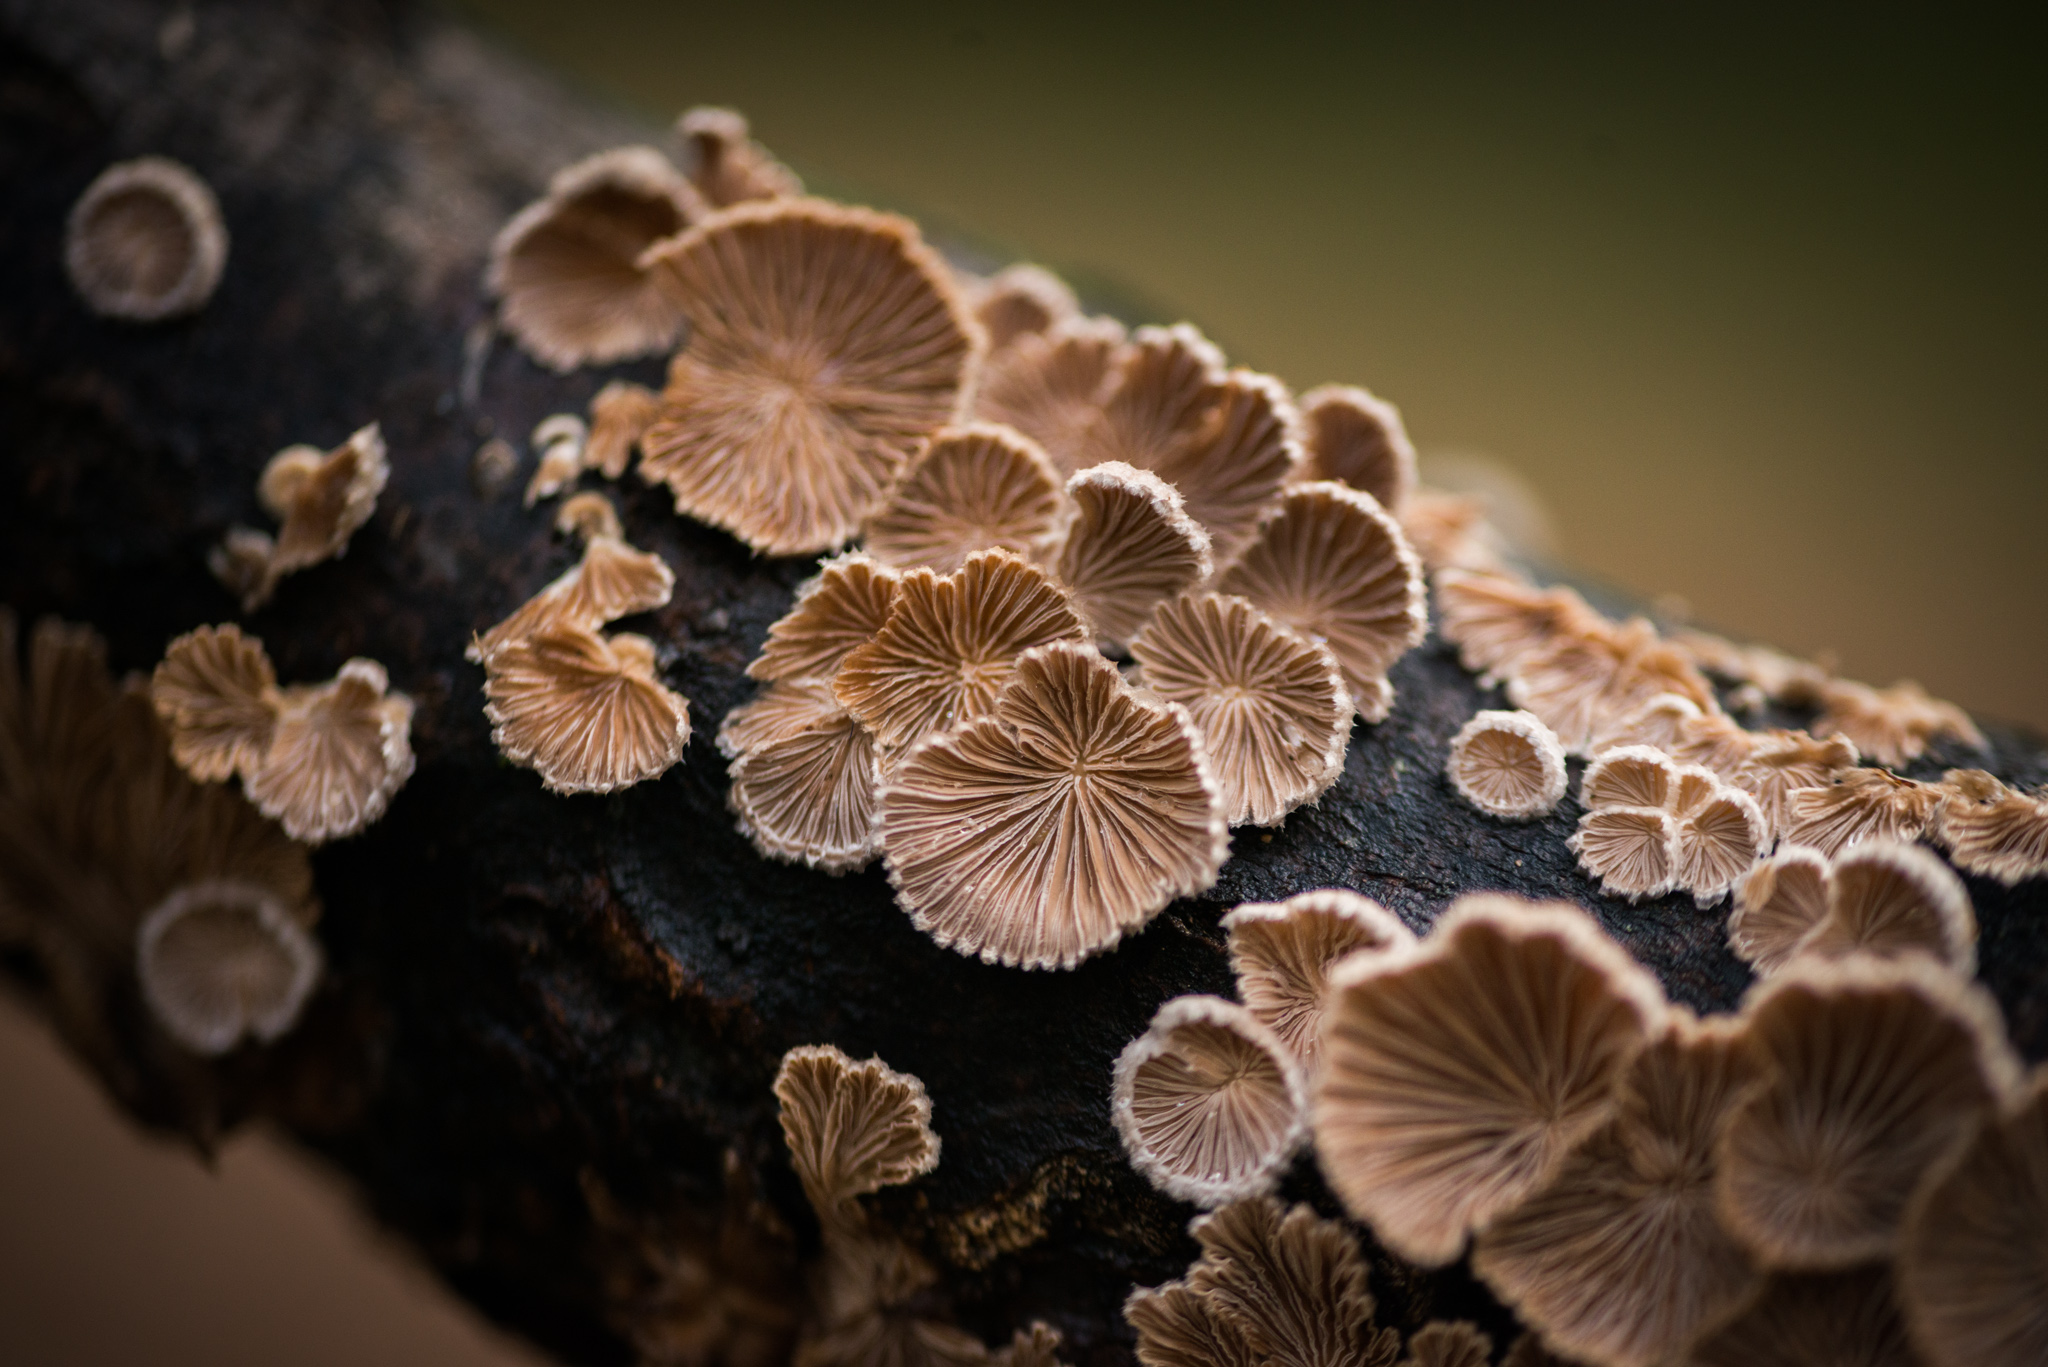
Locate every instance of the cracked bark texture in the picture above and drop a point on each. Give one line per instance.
(548, 1021)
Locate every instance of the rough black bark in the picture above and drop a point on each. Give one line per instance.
(533, 996)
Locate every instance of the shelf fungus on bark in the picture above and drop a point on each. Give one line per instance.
(1633, 851)
(1802, 1319)
(610, 580)
(1629, 776)
(1065, 819)
(790, 410)
(1508, 765)
(319, 498)
(1021, 300)
(220, 960)
(837, 610)
(1356, 438)
(805, 777)
(1777, 902)
(1873, 1070)
(1992, 830)
(969, 488)
(1270, 703)
(146, 242)
(1457, 1075)
(1781, 763)
(1497, 621)
(1448, 1343)
(1891, 725)
(1282, 952)
(1709, 834)
(1048, 385)
(1583, 685)
(725, 164)
(1886, 899)
(585, 711)
(1720, 833)
(1130, 546)
(558, 441)
(1861, 804)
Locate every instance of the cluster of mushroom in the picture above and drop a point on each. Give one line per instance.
(319, 498)
(1652, 825)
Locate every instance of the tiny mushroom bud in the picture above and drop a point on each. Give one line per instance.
(1507, 764)
(559, 438)
(1021, 300)
(1282, 952)
(1357, 439)
(1130, 547)
(221, 959)
(726, 165)
(145, 241)
(968, 489)
(619, 414)
(1861, 804)
(584, 711)
(1991, 830)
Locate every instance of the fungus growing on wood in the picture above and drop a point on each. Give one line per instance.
(619, 413)
(1332, 564)
(837, 610)
(1715, 741)
(1861, 804)
(582, 710)
(1973, 1253)
(1772, 673)
(1585, 684)
(1777, 902)
(1885, 898)
(791, 409)
(217, 694)
(970, 488)
(559, 440)
(1130, 547)
(852, 1129)
(726, 165)
(1718, 836)
(1873, 1070)
(145, 241)
(1448, 1343)
(1209, 1103)
(950, 644)
(1891, 725)
(1633, 851)
(1507, 764)
(1458, 1074)
(567, 271)
(1497, 621)
(319, 499)
(1356, 438)
(1232, 466)
(1021, 300)
(1270, 703)
(1804, 1319)
(1067, 818)
(1049, 385)
(1281, 953)
(1990, 829)
(805, 777)
(221, 960)
(610, 581)
(1629, 776)
(1780, 763)
(1450, 532)
(1621, 1259)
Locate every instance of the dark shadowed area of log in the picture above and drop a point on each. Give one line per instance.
(532, 997)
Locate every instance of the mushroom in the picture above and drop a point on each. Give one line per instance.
(1507, 764)
(1332, 564)
(1356, 438)
(1621, 1259)
(1022, 300)
(145, 241)
(619, 413)
(1458, 1074)
(1720, 833)
(726, 165)
(1777, 902)
(1715, 741)
(836, 611)
(1177, 1327)
(611, 580)
(1780, 763)
(949, 645)
(1633, 851)
(1801, 1320)
(1450, 532)
(1271, 704)
(1771, 673)
(1861, 804)
(560, 439)
(1891, 725)
(805, 777)
(1660, 723)
(1231, 468)
(1034, 1346)
(1497, 621)
(1629, 776)
(319, 499)
(852, 1129)
(1448, 1343)
(1049, 385)
(582, 710)
(218, 696)
(1130, 547)
(1584, 684)
(1973, 1251)
(1209, 1103)
(969, 488)
(1067, 817)
(792, 408)
(1886, 898)
(1873, 1069)
(222, 959)
(1991, 830)
(1282, 952)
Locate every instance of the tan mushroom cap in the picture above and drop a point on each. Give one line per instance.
(1891, 725)
(611, 580)
(1450, 532)
(146, 241)
(852, 1129)
(1497, 621)
(791, 408)
(1130, 547)
(1874, 1069)
(1861, 804)
(950, 644)
(1332, 564)
(1991, 830)
(1282, 952)
(1021, 300)
(1458, 1075)
(1271, 704)
(221, 960)
(1629, 776)
(836, 611)
(726, 165)
(1036, 1345)
(970, 488)
(1780, 763)
(1231, 469)
(1164, 382)
(1718, 837)
(778, 712)
(1449, 1343)
(1973, 1254)
(807, 794)
(1804, 1319)
(1049, 385)
(1356, 438)
(217, 695)
(584, 711)
(1715, 741)
(1633, 851)
(319, 500)
(1886, 898)
(1660, 723)
(1621, 1259)
(1584, 685)
(1067, 818)
(1508, 764)
(619, 413)
(1179, 1327)
(1777, 902)
(559, 438)
(1209, 1103)
(339, 751)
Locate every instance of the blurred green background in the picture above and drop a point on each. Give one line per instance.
(1754, 302)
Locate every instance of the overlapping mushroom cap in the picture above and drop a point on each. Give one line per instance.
(1803, 1319)
(1356, 438)
(1652, 825)
(1885, 898)
(969, 488)
(1282, 953)
(852, 1128)
(611, 580)
(146, 241)
(1047, 385)
(1130, 547)
(806, 777)
(1990, 829)
(1022, 300)
(584, 711)
(725, 163)
(1781, 763)
(1891, 725)
(1507, 764)
(320, 499)
(1861, 804)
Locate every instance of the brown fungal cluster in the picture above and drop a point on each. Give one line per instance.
(319, 498)
(1652, 825)
(145, 242)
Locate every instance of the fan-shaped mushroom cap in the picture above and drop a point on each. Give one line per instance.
(1973, 1254)
(1049, 386)
(1717, 839)
(559, 438)
(1887, 898)
(1450, 531)
(217, 696)
(1777, 902)
(1659, 723)
(1271, 704)
(852, 1128)
(1586, 684)
(1891, 725)
(222, 959)
(1714, 741)
(1130, 547)
(970, 488)
(611, 581)
(1333, 564)
(1804, 1320)
(1449, 1343)
(1231, 469)
(1037, 1345)
(1780, 763)
(1281, 953)
(836, 611)
(584, 711)
(1457, 1075)
(1620, 1259)
(1178, 1327)
(338, 753)
(1069, 816)
(566, 268)
(950, 644)
(777, 712)
(1874, 1069)
(1356, 438)
(319, 500)
(1629, 776)
(804, 787)
(619, 413)
(792, 408)
(1209, 1103)
(1508, 764)
(1497, 621)
(145, 241)
(726, 165)
(1021, 300)
(1164, 382)
(1991, 830)
(1861, 804)
(1633, 851)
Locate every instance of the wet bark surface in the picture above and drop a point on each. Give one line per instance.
(531, 996)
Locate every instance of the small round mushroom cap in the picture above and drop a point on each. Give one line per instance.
(1874, 1069)
(807, 793)
(619, 413)
(1718, 837)
(1130, 547)
(217, 696)
(1331, 563)
(1022, 300)
(1633, 851)
(1294, 1284)
(1886, 898)
(339, 752)
(146, 241)
(1804, 1320)
(1448, 1343)
(1210, 1104)
(792, 408)
(1508, 764)
(1973, 1255)
(1989, 829)
(1781, 763)
(1062, 821)
(1271, 704)
(1457, 1075)
(1861, 804)
(1356, 438)
(1629, 776)
(319, 500)
(970, 488)
(726, 165)
(566, 268)
(1891, 725)
(1282, 952)
(220, 960)
(950, 644)
(837, 610)
(1497, 621)
(1050, 386)
(852, 1128)
(1621, 1260)
(1777, 902)
(584, 711)
(611, 580)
